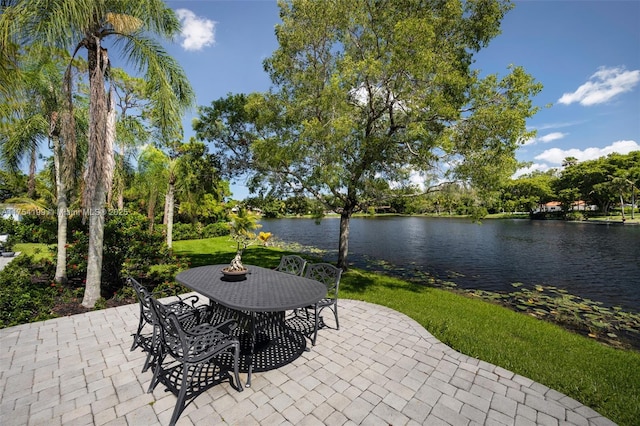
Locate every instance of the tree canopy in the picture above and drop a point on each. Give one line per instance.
(369, 90)
(86, 25)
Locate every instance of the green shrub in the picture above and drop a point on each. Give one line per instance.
(129, 250)
(38, 229)
(218, 229)
(7, 226)
(159, 274)
(186, 231)
(196, 231)
(25, 293)
(574, 216)
(32, 228)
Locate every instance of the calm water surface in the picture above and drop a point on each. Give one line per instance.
(598, 262)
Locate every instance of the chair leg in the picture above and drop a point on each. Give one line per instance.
(317, 324)
(156, 373)
(181, 396)
(151, 354)
(236, 367)
(136, 337)
(147, 362)
(335, 314)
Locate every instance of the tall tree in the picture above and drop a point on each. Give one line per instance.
(531, 191)
(199, 190)
(23, 113)
(152, 179)
(88, 25)
(170, 196)
(369, 89)
(43, 116)
(130, 128)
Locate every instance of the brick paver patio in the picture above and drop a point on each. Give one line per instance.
(380, 368)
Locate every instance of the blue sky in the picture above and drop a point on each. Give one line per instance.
(585, 53)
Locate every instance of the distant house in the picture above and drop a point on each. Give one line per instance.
(551, 206)
(556, 206)
(251, 209)
(581, 205)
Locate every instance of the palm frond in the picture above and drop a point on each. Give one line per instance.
(124, 24)
(168, 86)
(20, 137)
(26, 204)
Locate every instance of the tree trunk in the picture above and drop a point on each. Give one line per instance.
(99, 173)
(61, 196)
(169, 212)
(166, 210)
(633, 202)
(343, 244)
(31, 185)
(151, 208)
(96, 240)
(121, 186)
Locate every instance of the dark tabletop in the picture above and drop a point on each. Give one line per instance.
(264, 290)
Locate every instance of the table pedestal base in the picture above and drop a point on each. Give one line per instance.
(266, 342)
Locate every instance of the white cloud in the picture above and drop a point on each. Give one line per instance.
(550, 137)
(418, 180)
(603, 86)
(197, 32)
(559, 125)
(557, 155)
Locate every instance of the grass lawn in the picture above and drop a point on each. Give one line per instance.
(38, 251)
(601, 377)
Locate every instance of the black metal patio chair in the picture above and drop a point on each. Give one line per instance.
(329, 275)
(201, 357)
(291, 264)
(185, 308)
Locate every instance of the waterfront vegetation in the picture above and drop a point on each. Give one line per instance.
(598, 375)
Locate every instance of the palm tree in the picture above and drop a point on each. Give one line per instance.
(23, 122)
(152, 176)
(22, 131)
(88, 25)
(242, 225)
(40, 116)
(620, 183)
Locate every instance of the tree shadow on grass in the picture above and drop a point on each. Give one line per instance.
(258, 256)
(360, 282)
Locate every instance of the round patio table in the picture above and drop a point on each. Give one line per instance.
(259, 302)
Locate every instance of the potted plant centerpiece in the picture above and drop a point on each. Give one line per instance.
(242, 225)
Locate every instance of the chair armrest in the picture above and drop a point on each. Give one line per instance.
(189, 300)
(192, 299)
(223, 328)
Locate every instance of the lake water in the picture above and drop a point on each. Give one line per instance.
(597, 262)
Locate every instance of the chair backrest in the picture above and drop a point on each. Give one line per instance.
(171, 332)
(292, 264)
(327, 274)
(143, 298)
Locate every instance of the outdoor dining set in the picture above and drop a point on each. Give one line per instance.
(258, 323)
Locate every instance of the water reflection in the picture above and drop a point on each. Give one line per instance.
(598, 262)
